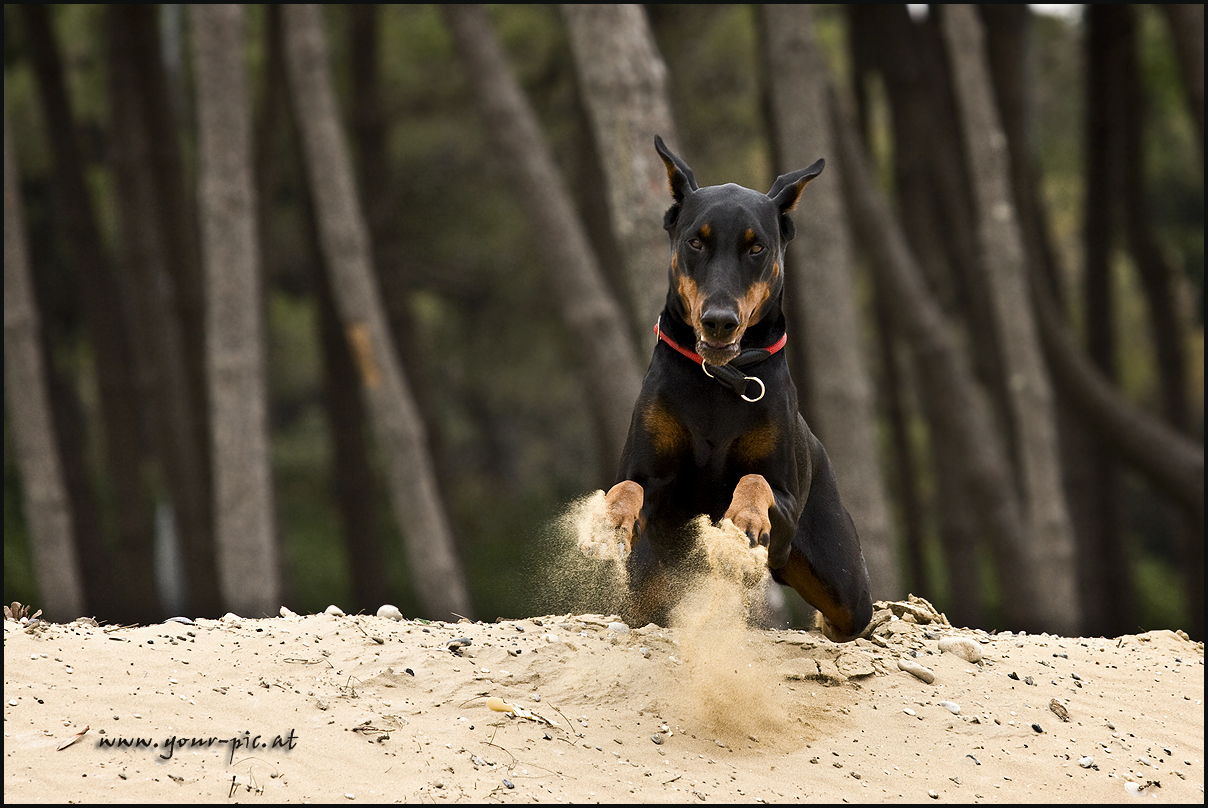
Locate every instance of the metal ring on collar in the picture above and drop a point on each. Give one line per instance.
(762, 389)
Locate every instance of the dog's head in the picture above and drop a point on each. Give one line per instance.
(727, 252)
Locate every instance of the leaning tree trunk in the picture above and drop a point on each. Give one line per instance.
(44, 490)
(1186, 21)
(823, 289)
(623, 81)
(977, 450)
(1048, 535)
(435, 570)
(244, 529)
(584, 300)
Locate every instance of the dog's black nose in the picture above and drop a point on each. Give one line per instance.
(719, 325)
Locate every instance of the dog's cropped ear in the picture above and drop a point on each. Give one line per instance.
(679, 177)
(786, 191)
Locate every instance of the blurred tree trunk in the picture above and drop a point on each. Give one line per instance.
(977, 451)
(130, 595)
(1047, 536)
(353, 484)
(163, 106)
(822, 290)
(1187, 32)
(161, 362)
(1104, 567)
(892, 378)
(368, 114)
(436, 571)
(590, 311)
(623, 81)
(244, 525)
(44, 492)
(1106, 571)
(933, 204)
(1157, 280)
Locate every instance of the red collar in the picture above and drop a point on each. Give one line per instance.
(698, 359)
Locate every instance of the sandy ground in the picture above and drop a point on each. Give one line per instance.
(336, 708)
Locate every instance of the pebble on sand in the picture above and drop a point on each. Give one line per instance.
(916, 670)
(390, 611)
(962, 647)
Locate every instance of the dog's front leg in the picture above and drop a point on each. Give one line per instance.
(623, 511)
(758, 511)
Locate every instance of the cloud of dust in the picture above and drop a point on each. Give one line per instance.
(582, 566)
(729, 688)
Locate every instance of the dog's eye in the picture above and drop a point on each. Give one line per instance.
(756, 249)
(695, 243)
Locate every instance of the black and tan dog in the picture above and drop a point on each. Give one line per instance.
(716, 429)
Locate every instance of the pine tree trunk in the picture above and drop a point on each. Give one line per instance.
(44, 491)
(1048, 536)
(160, 358)
(623, 81)
(975, 451)
(822, 290)
(244, 528)
(428, 539)
(591, 312)
(134, 598)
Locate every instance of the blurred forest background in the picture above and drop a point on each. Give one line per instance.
(309, 305)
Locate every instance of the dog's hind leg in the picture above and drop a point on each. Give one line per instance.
(825, 564)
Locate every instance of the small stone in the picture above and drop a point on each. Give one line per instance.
(933, 794)
(619, 628)
(962, 647)
(1086, 762)
(658, 739)
(1037, 728)
(508, 783)
(951, 707)
(390, 611)
(186, 621)
(285, 611)
(916, 670)
(334, 611)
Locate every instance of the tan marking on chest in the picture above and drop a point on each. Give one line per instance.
(757, 444)
(666, 432)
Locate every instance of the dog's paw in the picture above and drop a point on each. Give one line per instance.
(749, 509)
(829, 630)
(623, 514)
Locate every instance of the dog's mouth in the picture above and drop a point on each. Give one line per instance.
(715, 353)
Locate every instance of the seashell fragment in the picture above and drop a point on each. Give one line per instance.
(962, 647)
(916, 670)
(499, 705)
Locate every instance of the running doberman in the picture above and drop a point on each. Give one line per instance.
(716, 429)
